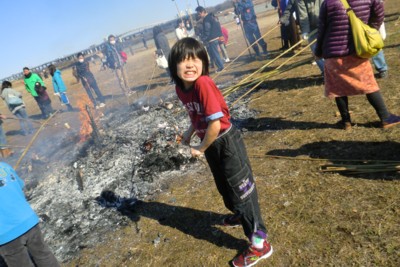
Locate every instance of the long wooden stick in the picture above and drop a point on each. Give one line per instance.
(317, 159)
(263, 78)
(243, 81)
(244, 51)
(33, 140)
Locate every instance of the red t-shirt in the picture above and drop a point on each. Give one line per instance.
(204, 103)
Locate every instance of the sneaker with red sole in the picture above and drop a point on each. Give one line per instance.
(233, 220)
(252, 255)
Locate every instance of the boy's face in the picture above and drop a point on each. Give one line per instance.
(189, 70)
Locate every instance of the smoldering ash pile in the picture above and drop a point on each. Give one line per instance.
(73, 186)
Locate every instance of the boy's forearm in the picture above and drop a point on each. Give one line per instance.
(213, 130)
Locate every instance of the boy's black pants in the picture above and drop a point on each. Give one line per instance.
(228, 161)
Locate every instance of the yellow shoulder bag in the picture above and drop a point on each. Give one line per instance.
(367, 40)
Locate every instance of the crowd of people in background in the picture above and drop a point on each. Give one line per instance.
(204, 27)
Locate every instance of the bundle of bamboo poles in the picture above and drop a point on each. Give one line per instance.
(362, 168)
(256, 78)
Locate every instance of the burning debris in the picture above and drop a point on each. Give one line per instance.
(135, 156)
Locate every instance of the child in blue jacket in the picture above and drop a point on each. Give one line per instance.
(21, 241)
(59, 87)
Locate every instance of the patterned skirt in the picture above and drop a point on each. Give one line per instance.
(347, 76)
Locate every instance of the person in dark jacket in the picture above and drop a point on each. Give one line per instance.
(308, 13)
(161, 43)
(113, 52)
(346, 74)
(245, 9)
(210, 36)
(88, 81)
(289, 33)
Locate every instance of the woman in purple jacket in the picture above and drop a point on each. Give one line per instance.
(346, 74)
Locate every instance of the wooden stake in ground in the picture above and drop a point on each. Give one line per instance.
(96, 133)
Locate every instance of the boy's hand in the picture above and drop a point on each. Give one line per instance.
(186, 137)
(194, 150)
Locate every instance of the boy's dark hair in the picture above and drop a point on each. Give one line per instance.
(110, 36)
(200, 9)
(6, 84)
(183, 49)
(25, 68)
(79, 54)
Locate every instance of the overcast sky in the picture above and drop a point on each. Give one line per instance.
(36, 32)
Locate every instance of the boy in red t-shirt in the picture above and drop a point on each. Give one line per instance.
(221, 144)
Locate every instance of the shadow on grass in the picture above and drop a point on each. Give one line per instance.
(14, 132)
(296, 83)
(273, 124)
(349, 153)
(392, 46)
(392, 17)
(197, 223)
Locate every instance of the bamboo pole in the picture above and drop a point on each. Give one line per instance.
(33, 140)
(268, 74)
(244, 51)
(273, 60)
(149, 83)
(262, 79)
(319, 159)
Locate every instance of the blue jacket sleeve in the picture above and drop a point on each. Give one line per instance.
(55, 85)
(58, 83)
